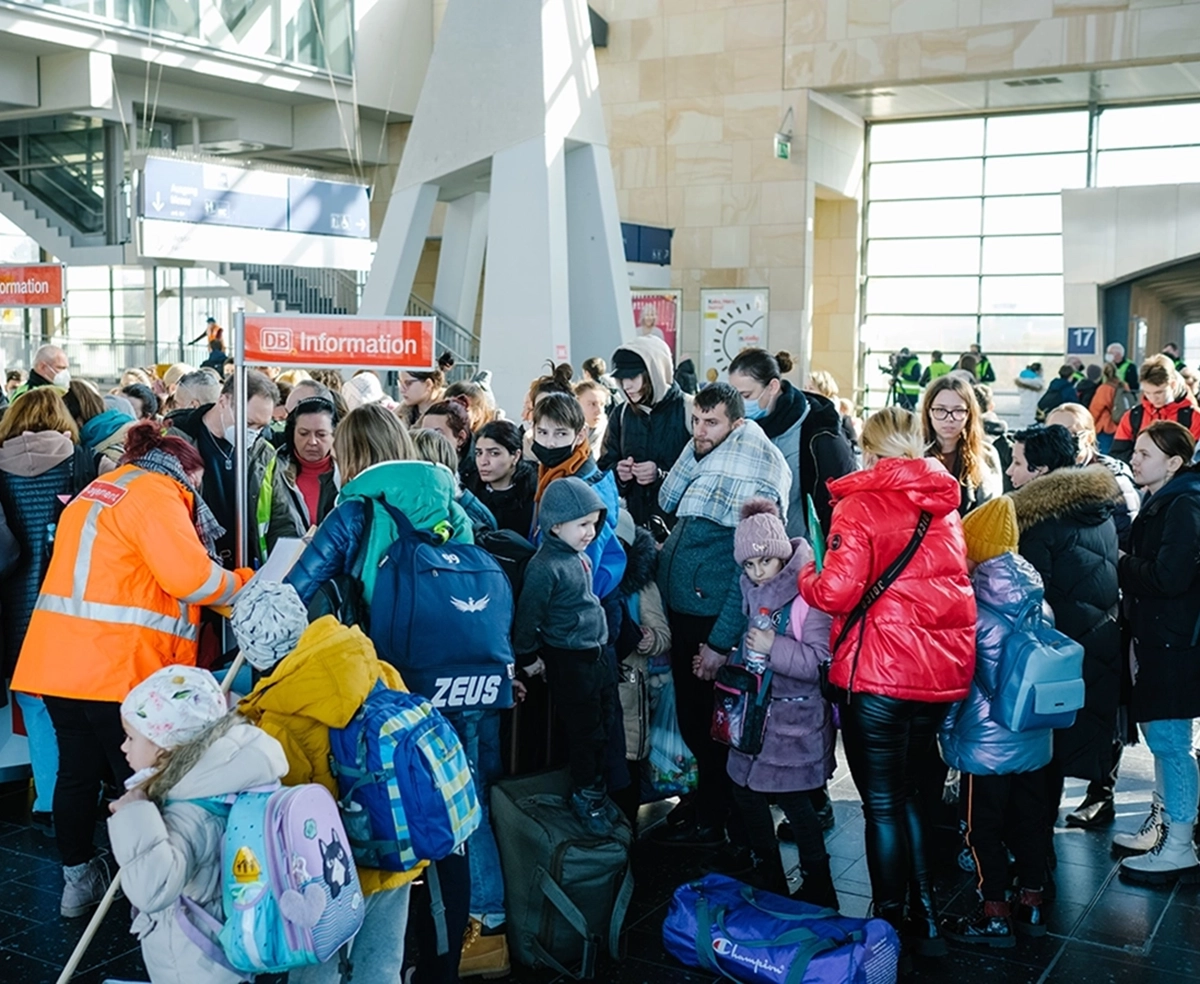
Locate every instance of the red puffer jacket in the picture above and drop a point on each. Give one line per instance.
(918, 642)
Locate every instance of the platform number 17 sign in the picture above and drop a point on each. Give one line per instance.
(1081, 341)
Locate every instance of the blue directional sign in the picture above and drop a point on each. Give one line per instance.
(329, 208)
(217, 194)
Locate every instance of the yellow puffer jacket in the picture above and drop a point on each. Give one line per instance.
(318, 686)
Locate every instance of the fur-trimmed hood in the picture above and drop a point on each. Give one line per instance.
(1081, 492)
(641, 562)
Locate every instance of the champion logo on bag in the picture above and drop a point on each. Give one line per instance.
(727, 948)
(470, 605)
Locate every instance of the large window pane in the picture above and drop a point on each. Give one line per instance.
(922, 256)
(1020, 334)
(1021, 295)
(923, 295)
(887, 333)
(956, 217)
(1150, 126)
(85, 277)
(1023, 254)
(928, 179)
(1170, 165)
(1036, 213)
(88, 328)
(87, 303)
(1030, 175)
(926, 140)
(1039, 133)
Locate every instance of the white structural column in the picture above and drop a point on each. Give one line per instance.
(600, 306)
(401, 241)
(460, 263)
(526, 303)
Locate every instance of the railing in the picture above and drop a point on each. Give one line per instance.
(71, 191)
(98, 359)
(307, 289)
(317, 33)
(452, 337)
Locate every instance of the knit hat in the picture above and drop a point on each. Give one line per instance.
(362, 389)
(568, 499)
(991, 530)
(761, 533)
(268, 620)
(174, 705)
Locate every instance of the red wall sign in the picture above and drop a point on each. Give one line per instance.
(337, 341)
(32, 285)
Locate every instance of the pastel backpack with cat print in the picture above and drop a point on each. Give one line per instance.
(290, 890)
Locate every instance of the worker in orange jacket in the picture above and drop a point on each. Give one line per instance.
(132, 566)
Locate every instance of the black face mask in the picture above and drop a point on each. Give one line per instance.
(552, 457)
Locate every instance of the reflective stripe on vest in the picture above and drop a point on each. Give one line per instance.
(218, 580)
(262, 508)
(97, 611)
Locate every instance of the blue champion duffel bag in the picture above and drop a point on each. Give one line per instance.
(724, 927)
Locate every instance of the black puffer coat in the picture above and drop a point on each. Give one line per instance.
(1068, 535)
(1161, 580)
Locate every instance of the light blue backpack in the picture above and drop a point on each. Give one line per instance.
(290, 890)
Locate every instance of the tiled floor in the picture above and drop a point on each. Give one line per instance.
(1102, 930)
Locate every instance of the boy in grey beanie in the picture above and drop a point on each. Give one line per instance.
(560, 617)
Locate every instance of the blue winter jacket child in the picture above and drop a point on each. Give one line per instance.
(971, 741)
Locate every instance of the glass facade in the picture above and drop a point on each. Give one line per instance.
(963, 226)
(315, 33)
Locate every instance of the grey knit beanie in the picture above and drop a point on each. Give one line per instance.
(268, 620)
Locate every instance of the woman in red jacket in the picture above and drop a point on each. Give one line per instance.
(903, 662)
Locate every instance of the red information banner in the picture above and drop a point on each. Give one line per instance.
(31, 285)
(339, 341)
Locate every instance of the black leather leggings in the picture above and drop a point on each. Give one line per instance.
(886, 741)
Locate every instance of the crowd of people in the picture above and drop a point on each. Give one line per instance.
(877, 576)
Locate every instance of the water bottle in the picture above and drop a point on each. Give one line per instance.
(757, 662)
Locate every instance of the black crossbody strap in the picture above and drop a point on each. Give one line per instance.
(886, 579)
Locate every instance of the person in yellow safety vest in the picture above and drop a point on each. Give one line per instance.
(906, 368)
(937, 367)
(983, 366)
(133, 564)
(212, 429)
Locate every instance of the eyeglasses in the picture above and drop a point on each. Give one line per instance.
(943, 413)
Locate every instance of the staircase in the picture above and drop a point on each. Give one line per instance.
(53, 233)
(317, 291)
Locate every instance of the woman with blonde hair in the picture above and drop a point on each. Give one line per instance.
(954, 435)
(903, 650)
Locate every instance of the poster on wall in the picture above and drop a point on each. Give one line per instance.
(656, 312)
(730, 320)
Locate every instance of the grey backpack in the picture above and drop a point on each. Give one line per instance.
(566, 891)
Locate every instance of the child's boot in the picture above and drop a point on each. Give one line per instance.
(84, 886)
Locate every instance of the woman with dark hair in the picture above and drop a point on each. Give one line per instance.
(1065, 518)
(1160, 578)
(421, 390)
(954, 435)
(452, 419)
(504, 481)
(647, 432)
(306, 455)
(806, 427)
(133, 563)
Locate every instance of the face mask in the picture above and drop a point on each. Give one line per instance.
(1108, 357)
(231, 435)
(755, 411)
(62, 378)
(552, 457)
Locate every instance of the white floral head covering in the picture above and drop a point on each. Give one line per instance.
(174, 705)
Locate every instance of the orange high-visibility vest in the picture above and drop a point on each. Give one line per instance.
(123, 591)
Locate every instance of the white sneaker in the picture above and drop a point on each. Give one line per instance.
(1172, 857)
(85, 885)
(1148, 836)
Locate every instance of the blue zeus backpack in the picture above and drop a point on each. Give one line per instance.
(442, 614)
(1040, 676)
(404, 784)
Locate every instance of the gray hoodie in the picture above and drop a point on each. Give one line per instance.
(557, 606)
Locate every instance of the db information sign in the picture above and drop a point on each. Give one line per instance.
(33, 285)
(339, 341)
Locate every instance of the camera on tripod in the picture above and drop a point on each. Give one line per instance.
(895, 362)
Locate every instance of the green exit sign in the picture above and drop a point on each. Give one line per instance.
(783, 147)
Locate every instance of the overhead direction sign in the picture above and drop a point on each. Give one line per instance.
(31, 285)
(199, 193)
(339, 341)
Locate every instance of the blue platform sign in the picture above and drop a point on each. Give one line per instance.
(1081, 341)
(216, 194)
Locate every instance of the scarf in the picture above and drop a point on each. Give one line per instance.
(102, 426)
(568, 468)
(207, 527)
(790, 406)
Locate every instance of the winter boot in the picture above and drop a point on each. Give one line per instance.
(483, 955)
(1029, 913)
(1096, 810)
(1173, 857)
(766, 874)
(817, 887)
(989, 925)
(85, 884)
(1147, 837)
(921, 926)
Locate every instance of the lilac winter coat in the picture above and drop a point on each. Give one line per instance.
(797, 751)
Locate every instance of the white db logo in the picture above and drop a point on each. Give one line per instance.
(276, 339)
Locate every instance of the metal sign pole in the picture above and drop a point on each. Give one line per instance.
(240, 496)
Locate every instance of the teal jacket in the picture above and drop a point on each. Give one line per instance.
(697, 575)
